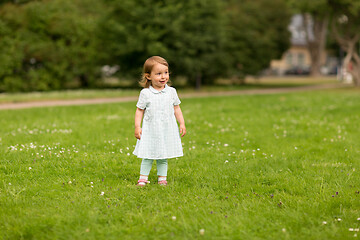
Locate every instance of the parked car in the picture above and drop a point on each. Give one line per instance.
(298, 71)
(333, 70)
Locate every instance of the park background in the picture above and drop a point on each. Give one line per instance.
(269, 154)
(63, 44)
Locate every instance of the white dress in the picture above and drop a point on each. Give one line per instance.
(160, 137)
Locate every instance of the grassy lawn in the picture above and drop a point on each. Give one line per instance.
(67, 95)
(255, 167)
(222, 85)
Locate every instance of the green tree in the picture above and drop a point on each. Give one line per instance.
(56, 44)
(188, 34)
(201, 39)
(53, 45)
(198, 41)
(257, 33)
(15, 1)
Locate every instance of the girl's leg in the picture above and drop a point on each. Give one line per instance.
(145, 168)
(162, 166)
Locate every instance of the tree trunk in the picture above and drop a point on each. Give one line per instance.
(356, 75)
(352, 59)
(316, 31)
(84, 82)
(198, 82)
(355, 68)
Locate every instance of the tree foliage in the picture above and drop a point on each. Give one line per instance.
(47, 45)
(188, 34)
(63, 43)
(257, 33)
(201, 39)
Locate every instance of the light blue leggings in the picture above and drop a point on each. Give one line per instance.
(161, 164)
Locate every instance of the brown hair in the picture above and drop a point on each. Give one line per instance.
(148, 66)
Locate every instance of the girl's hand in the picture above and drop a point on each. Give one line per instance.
(182, 130)
(179, 117)
(138, 132)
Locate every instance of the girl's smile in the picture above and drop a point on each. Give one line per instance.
(159, 76)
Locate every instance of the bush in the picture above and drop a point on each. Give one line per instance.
(12, 84)
(48, 45)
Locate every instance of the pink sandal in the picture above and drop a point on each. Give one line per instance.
(162, 182)
(142, 182)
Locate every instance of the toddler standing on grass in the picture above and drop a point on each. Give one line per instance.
(158, 109)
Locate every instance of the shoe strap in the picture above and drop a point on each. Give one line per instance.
(143, 180)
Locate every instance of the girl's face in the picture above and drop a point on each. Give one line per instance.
(159, 76)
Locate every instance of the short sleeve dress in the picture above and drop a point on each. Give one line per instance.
(160, 137)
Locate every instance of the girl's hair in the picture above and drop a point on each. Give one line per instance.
(148, 66)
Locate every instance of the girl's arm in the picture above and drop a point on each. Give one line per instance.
(138, 117)
(179, 117)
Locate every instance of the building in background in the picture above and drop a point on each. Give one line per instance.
(296, 60)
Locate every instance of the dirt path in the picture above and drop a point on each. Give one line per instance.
(182, 96)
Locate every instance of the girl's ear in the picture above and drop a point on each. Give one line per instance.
(147, 76)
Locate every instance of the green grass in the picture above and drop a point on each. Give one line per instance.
(66, 94)
(255, 167)
(222, 85)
